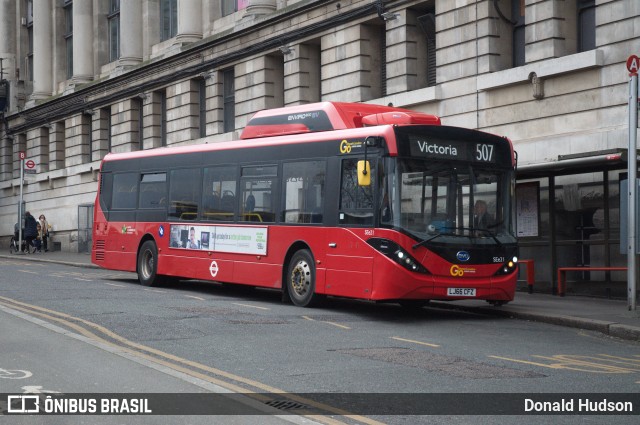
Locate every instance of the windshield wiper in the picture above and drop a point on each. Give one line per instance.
(471, 229)
(487, 231)
(424, 242)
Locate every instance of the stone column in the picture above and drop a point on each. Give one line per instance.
(130, 32)
(261, 7)
(6, 158)
(76, 146)
(302, 74)
(38, 147)
(7, 38)
(42, 50)
(82, 41)
(189, 21)
(56, 146)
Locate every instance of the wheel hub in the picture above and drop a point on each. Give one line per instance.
(301, 278)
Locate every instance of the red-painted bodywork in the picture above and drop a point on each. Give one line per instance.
(352, 268)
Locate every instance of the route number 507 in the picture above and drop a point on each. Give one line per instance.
(484, 152)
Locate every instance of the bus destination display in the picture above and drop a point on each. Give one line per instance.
(452, 149)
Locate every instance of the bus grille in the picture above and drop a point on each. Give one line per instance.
(100, 245)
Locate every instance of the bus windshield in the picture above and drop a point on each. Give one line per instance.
(444, 201)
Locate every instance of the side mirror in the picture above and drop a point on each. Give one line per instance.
(364, 173)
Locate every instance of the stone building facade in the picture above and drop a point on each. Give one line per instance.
(87, 77)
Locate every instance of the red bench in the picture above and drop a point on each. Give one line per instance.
(531, 273)
(562, 274)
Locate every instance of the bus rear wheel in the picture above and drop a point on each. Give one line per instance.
(148, 264)
(301, 279)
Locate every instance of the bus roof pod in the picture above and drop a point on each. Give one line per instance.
(327, 116)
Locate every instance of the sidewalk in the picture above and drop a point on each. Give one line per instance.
(610, 317)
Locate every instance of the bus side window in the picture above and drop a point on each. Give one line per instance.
(152, 189)
(218, 193)
(184, 193)
(125, 191)
(257, 197)
(356, 202)
(303, 191)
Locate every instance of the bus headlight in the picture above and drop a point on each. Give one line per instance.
(397, 254)
(508, 267)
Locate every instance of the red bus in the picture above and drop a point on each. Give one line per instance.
(326, 199)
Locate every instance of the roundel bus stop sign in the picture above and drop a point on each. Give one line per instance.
(30, 166)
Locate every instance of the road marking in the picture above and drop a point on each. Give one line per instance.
(113, 284)
(336, 324)
(327, 322)
(27, 271)
(36, 389)
(194, 297)
(84, 280)
(14, 374)
(251, 306)
(415, 342)
(156, 356)
(155, 290)
(590, 364)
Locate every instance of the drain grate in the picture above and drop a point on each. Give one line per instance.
(286, 404)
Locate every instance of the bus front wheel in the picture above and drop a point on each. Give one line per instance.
(301, 279)
(148, 264)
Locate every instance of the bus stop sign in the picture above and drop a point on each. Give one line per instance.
(30, 166)
(633, 64)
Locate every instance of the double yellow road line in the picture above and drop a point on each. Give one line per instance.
(226, 380)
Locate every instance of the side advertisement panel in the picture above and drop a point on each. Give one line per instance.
(237, 240)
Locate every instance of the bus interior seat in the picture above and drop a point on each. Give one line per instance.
(227, 203)
(250, 203)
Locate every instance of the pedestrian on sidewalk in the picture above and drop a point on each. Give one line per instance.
(44, 231)
(37, 242)
(30, 231)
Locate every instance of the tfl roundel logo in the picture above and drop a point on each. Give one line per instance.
(463, 256)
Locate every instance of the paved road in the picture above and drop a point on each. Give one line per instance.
(250, 341)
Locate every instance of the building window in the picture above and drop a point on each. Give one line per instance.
(29, 19)
(30, 53)
(517, 17)
(68, 36)
(586, 25)
(107, 113)
(29, 12)
(383, 62)
(168, 19)
(428, 26)
(231, 6)
(163, 118)
(138, 112)
(229, 100)
(202, 106)
(114, 30)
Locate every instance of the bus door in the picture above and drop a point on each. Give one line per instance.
(349, 261)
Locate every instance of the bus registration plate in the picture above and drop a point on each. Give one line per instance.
(461, 292)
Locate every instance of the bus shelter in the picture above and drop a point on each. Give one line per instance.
(568, 215)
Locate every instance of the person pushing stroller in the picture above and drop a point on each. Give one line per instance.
(30, 231)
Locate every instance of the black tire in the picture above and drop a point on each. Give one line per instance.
(148, 264)
(301, 279)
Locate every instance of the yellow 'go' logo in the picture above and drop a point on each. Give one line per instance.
(456, 270)
(345, 147)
